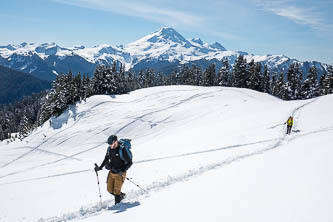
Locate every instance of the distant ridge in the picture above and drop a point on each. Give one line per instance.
(163, 50)
(14, 85)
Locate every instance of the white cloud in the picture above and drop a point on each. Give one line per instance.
(291, 9)
(152, 12)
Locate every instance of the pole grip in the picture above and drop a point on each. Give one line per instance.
(96, 170)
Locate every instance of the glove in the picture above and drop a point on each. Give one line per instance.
(120, 173)
(97, 168)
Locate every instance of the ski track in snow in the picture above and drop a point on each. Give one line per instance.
(312, 132)
(164, 109)
(52, 162)
(132, 197)
(205, 151)
(48, 177)
(36, 148)
(23, 155)
(49, 152)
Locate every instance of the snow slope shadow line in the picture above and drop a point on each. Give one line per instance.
(166, 108)
(205, 151)
(47, 177)
(49, 152)
(311, 132)
(23, 155)
(49, 163)
(36, 148)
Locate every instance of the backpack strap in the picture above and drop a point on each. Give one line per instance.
(124, 148)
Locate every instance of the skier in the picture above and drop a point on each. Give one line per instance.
(118, 163)
(289, 123)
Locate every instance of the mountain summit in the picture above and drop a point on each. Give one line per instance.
(167, 34)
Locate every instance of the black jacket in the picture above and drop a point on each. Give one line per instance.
(113, 162)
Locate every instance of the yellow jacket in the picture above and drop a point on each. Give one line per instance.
(290, 121)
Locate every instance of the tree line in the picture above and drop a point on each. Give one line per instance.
(31, 112)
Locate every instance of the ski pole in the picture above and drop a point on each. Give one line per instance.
(135, 184)
(99, 189)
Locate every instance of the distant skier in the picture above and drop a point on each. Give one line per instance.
(289, 123)
(118, 160)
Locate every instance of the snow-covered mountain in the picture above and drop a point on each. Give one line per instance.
(200, 153)
(162, 50)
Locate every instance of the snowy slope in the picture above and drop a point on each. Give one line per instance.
(201, 153)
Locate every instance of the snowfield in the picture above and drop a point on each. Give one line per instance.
(200, 154)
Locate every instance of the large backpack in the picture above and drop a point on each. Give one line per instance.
(125, 146)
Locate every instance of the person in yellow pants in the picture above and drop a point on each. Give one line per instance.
(289, 123)
(118, 163)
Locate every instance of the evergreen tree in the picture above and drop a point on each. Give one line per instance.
(272, 85)
(141, 80)
(265, 81)
(110, 86)
(87, 88)
(330, 79)
(239, 72)
(326, 82)
(102, 80)
(114, 67)
(133, 81)
(198, 76)
(184, 75)
(210, 75)
(149, 78)
(78, 88)
(47, 108)
(310, 85)
(299, 82)
(280, 87)
(223, 78)
(24, 127)
(294, 82)
(160, 80)
(253, 81)
(121, 81)
(2, 133)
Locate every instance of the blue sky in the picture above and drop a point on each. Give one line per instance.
(299, 29)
